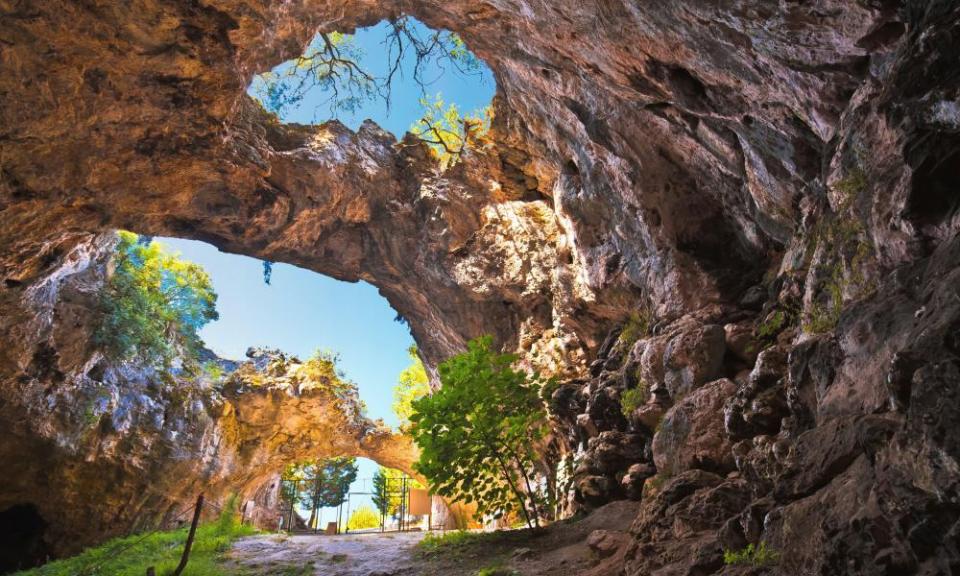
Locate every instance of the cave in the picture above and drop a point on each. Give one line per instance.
(727, 234)
(22, 542)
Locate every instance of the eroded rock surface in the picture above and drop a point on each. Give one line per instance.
(104, 447)
(771, 186)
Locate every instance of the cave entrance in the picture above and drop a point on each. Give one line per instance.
(22, 543)
(263, 306)
(378, 499)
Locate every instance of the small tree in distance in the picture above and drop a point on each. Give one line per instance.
(362, 518)
(385, 497)
(413, 384)
(478, 433)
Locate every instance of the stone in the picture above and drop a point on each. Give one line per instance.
(741, 342)
(633, 481)
(693, 358)
(692, 434)
(605, 543)
(595, 490)
(649, 416)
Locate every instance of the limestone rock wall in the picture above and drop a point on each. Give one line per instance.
(101, 448)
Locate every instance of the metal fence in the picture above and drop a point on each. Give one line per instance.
(400, 491)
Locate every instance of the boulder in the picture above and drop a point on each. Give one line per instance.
(692, 434)
(692, 358)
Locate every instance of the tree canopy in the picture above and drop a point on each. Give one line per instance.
(478, 433)
(449, 133)
(362, 518)
(333, 63)
(412, 384)
(153, 303)
(319, 483)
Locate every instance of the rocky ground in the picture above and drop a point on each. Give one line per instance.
(589, 545)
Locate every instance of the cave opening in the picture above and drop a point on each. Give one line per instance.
(264, 307)
(399, 73)
(379, 72)
(22, 543)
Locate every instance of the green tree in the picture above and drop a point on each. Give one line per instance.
(362, 518)
(319, 484)
(385, 498)
(331, 482)
(412, 384)
(153, 304)
(478, 433)
(448, 132)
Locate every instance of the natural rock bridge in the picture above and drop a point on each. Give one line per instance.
(774, 185)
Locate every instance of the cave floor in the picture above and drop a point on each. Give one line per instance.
(308, 555)
(558, 550)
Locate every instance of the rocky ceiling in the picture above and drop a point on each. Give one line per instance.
(783, 170)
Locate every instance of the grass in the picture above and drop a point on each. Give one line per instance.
(752, 555)
(636, 327)
(132, 555)
(497, 570)
(453, 542)
(633, 398)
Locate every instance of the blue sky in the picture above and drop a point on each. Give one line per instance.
(301, 310)
(470, 92)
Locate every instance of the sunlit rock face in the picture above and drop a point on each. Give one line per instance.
(783, 174)
(100, 447)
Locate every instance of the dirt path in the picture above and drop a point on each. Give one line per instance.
(310, 555)
(592, 545)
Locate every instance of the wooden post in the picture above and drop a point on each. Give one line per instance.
(193, 532)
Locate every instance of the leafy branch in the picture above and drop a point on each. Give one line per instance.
(333, 64)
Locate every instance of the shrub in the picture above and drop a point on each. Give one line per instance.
(449, 133)
(633, 398)
(153, 304)
(362, 518)
(753, 555)
(636, 327)
(478, 433)
(496, 571)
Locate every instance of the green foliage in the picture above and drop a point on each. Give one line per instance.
(449, 133)
(775, 323)
(330, 63)
(153, 304)
(214, 371)
(846, 249)
(633, 398)
(386, 491)
(131, 555)
(321, 371)
(319, 483)
(752, 555)
(333, 63)
(636, 327)
(452, 543)
(497, 570)
(851, 186)
(362, 518)
(478, 433)
(413, 384)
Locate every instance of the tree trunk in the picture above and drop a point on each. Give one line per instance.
(193, 532)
